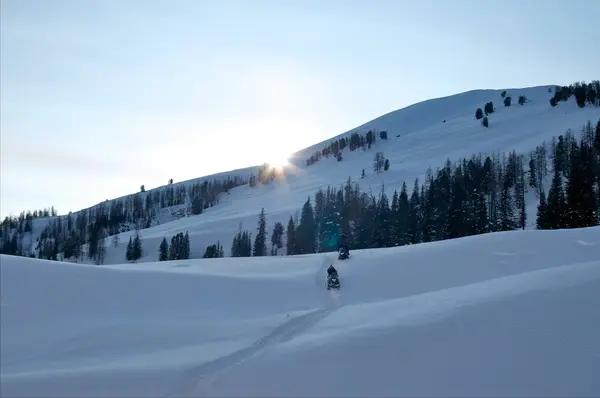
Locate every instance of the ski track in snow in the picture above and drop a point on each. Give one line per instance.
(199, 379)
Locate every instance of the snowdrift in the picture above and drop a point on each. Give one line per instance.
(504, 314)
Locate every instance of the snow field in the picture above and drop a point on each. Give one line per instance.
(508, 314)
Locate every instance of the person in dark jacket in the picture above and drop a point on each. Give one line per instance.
(344, 243)
(331, 270)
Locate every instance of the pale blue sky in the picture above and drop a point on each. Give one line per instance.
(99, 97)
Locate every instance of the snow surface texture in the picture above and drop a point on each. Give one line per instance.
(425, 141)
(503, 314)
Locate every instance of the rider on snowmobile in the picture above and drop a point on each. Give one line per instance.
(344, 243)
(331, 270)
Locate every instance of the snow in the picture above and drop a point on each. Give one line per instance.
(504, 314)
(425, 141)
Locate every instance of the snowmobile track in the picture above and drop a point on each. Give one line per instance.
(197, 380)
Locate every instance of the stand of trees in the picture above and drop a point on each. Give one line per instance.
(473, 196)
(354, 142)
(585, 93)
(70, 236)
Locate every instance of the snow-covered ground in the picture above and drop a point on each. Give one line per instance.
(429, 132)
(504, 314)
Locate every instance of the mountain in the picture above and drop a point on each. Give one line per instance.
(502, 314)
(415, 141)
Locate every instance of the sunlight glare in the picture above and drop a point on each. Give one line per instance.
(278, 162)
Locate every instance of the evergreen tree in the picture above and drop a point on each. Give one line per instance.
(185, 249)
(401, 218)
(129, 251)
(414, 216)
(180, 247)
(555, 206)
(560, 156)
(532, 174)
(175, 247)
(137, 252)
(213, 251)
(581, 201)
(260, 242)
(291, 244)
(277, 238)
(542, 216)
(242, 244)
(306, 230)
(163, 250)
(383, 222)
(394, 219)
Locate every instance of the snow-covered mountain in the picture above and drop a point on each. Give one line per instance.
(502, 314)
(509, 313)
(422, 136)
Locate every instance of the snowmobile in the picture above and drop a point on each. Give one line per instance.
(343, 253)
(333, 281)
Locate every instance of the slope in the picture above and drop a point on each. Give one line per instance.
(424, 141)
(499, 314)
(420, 136)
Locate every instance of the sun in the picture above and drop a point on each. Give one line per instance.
(278, 162)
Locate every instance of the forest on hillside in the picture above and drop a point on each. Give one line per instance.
(473, 196)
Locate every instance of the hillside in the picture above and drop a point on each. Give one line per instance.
(502, 314)
(419, 137)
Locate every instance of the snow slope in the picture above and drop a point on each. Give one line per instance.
(503, 314)
(425, 141)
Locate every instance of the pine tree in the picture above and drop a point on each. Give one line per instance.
(581, 201)
(163, 250)
(394, 219)
(129, 251)
(175, 248)
(137, 251)
(401, 217)
(242, 244)
(260, 246)
(277, 238)
(383, 226)
(542, 213)
(414, 216)
(185, 249)
(214, 251)
(291, 238)
(555, 206)
(306, 230)
(532, 174)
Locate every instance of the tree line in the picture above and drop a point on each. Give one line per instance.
(353, 142)
(473, 196)
(67, 234)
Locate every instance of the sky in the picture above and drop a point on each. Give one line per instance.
(100, 97)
